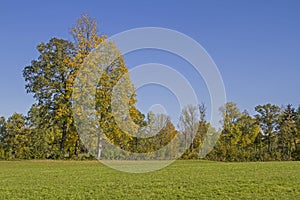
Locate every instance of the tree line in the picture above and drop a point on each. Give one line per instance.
(49, 131)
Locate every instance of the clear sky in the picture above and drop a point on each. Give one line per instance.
(255, 44)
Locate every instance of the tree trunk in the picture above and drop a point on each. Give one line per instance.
(269, 144)
(99, 149)
(63, 137)
(76, 152)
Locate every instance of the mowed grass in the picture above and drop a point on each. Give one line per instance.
(180, 180)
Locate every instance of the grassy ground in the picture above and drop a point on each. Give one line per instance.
(181, 180)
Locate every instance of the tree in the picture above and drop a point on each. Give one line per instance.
(188, 123)
(16, 138)
(51, 78)
(44, 139)
(238, 135)
(168, 143)
(116, 118)
(230, 134)
(287, 132)
(231, 114)
(296, 153)
(248, 130)
(268, 119)
(202, 131)
(47, 78)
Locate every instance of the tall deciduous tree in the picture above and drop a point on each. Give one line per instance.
(230, 133)
(51, 78)
(202, 131)
(188, 123)
(248, 129)
(47, 78)
(113, 86)
(268, 119)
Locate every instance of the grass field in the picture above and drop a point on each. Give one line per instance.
(181, 180)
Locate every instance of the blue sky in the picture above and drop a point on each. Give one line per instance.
(255, 44)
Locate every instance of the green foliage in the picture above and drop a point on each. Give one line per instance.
(271, 135)
(15, 138)
(47, 78)
(268, 119)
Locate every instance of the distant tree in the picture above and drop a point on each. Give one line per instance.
(230, 134)
(267, 117)
(159, 142)
(240, 130)
(287, 132)
(16, 138)
(231, 114)
(202, 131)
(296, 154)
(202, 127)
(297, 121)
(188, 125)
(248, 130)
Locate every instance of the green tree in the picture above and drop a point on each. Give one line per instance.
(267, 117)
(296, 154)
(236, 142)
(44, 137)
(248, 130)
(287, 132)
(51, 78)
(230, 135)
(16, 138)
(47, 78)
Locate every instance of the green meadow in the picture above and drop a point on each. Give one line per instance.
(180, 180)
